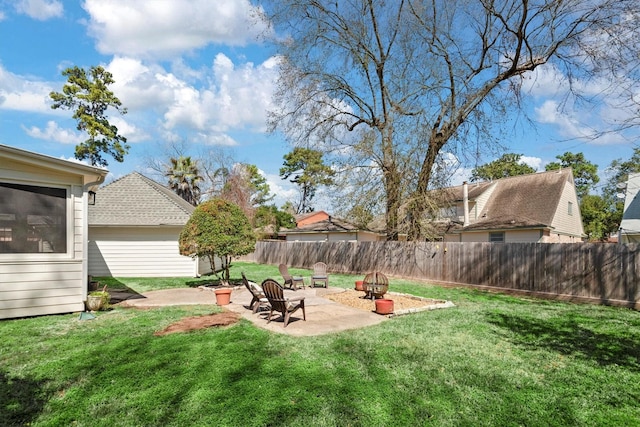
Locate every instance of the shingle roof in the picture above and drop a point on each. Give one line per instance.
(524, 201)
(137, 200)
(331, 224)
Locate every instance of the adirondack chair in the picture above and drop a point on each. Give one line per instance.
(286, 306)
(289, 280)
(320, 275)
(258, 298)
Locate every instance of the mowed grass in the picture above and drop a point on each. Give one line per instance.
(494, 360)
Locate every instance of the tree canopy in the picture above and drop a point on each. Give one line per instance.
(585, 173)
(395, 85)
(306, 169)
(88, 95)
(217, 229)
(507, 165)
(184, 178)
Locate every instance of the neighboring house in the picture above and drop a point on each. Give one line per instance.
(541, 207)
(330, 230)
(310, 218)
(43, 233)
(629, 231)
(134, 228)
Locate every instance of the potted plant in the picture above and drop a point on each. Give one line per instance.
(98, 300)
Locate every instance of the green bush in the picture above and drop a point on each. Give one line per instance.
(217, 229)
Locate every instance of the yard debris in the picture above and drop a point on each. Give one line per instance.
(225, 318)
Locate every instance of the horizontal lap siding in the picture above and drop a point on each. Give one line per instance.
(581, 271)
(133, 252)
(29, 289)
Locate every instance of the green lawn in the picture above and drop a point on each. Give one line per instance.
(493, 360)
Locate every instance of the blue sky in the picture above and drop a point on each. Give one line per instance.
(194, 72)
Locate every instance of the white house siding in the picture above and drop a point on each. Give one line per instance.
(341, 237)
(38, 288)
(306, 237)
(630, 225)
(364, 236)
(563, 223)
(522, 236)
(44, 283)
(138, 252)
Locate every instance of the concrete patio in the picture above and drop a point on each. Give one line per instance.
(323, 316)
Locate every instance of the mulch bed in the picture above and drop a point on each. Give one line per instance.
(225, 318)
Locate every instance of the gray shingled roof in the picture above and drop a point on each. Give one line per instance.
(524, 201)
(137, 200)
(327, 225)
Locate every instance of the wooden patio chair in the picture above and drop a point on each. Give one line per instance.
(375, 285)
(258, 299)
(320, 275)
(287, 306)
(290, 281)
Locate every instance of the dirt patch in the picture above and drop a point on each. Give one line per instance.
(355, 299)
(200, 322)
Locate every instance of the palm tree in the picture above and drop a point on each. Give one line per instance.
(184, 178)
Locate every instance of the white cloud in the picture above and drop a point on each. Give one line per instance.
(168, 28)
(212, 101)
(2, 16)
(128, 130)
(534, 162)
(217, 139)
(571, 127)
(544, 81)
(21, 94)
(54, 133)
(283, 190)
(40, 9)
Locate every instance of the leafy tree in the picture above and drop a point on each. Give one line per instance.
(308, 171)
(184, 178)
(585, 173)
(507, 165)
(244, 186)
(598, 217)
(393, 83)
(270, 216)
(217, 229)
(88, 95)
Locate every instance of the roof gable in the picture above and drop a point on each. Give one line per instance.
(328, 225)
(524, 201)
(137, 200)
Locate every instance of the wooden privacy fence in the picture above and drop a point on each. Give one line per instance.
(603, 273)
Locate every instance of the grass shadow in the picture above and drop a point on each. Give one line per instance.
(21, 400)
(566, 336)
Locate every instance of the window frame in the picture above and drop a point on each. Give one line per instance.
(68, 224)
(500, 234)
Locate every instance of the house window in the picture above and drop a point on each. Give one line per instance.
(32, 219)
(570, 209)
(496, 237)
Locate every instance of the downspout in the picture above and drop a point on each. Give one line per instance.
(465, 203)
(85, 231)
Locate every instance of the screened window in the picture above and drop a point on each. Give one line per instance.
(496, 237)
(32, 219)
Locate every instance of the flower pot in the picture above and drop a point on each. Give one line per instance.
(384, 306)
(359, 285)
(223, 296)
(94, 303)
